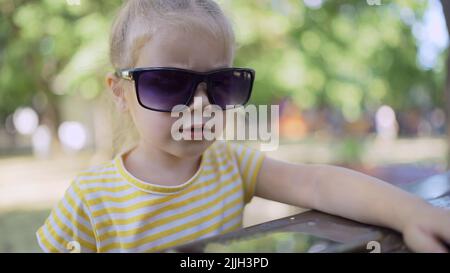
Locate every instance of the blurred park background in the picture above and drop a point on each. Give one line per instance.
(359, 83)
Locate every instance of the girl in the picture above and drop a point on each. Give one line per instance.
(162, 192)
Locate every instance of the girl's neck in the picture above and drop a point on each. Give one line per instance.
(153, 165)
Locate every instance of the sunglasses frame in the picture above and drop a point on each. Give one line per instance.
(133, 73)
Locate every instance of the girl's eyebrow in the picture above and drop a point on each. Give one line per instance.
(223, 66)
(185, 65)
(188, 67)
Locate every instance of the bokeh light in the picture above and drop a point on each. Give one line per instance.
(25, 120)
(72, 135)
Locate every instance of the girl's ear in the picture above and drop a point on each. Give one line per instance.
(117, 90)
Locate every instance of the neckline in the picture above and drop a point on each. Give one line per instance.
(150, 187)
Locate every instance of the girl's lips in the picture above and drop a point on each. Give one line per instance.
(192, 128)
(195, 131)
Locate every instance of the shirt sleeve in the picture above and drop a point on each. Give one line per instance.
(249, 162)
(68, 228)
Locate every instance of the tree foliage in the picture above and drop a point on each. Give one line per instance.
(346, 55)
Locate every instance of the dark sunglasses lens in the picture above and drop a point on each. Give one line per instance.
(230, 88)
(162, 90)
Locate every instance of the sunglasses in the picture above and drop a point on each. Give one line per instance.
(162, 88)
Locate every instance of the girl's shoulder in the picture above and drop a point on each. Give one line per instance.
(101, 172)
(98, 169)
(234, 150)
(222, 148)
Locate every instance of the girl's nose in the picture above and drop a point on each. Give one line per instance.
(200, 93)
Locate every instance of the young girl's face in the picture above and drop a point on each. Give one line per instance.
(195, 50)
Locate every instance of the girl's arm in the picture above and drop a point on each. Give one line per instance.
(356, 196)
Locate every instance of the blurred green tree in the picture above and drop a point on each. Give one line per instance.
(349, 55)
(49, 49)
(345, 54)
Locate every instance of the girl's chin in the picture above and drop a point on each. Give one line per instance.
(190, 148)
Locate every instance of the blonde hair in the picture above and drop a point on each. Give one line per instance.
(135, 24)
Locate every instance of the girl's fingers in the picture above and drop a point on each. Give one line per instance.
(444, 234)
(421, 241)
(443, 228)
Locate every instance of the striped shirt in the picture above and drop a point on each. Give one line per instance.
(107, 209)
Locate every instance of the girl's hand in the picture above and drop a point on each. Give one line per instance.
(428, 230)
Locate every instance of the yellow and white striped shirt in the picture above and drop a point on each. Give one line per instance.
(106, 209)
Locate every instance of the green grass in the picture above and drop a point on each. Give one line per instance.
(18, 228)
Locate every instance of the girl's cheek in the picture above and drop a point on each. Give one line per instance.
(150, 124)
(155, 123)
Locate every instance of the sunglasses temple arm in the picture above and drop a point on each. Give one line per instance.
(125, 74)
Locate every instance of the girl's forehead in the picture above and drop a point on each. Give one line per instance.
(193, 49)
